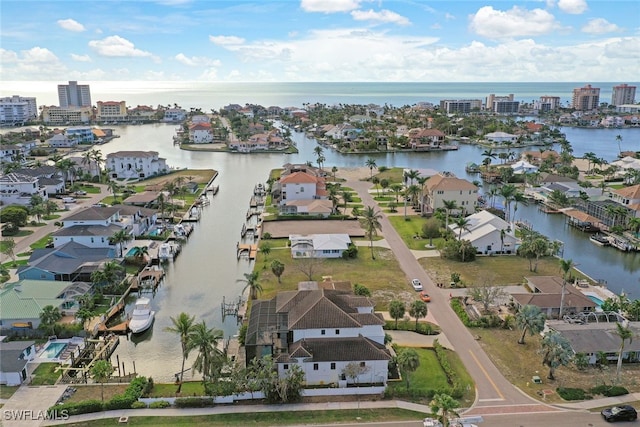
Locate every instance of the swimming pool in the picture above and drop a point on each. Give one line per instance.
(595, 299)
(131, 252)
(53, 350)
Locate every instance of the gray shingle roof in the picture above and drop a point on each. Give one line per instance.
(339, 349)
(92, 213)
(10, 353)
(88, 230)
(65, 259)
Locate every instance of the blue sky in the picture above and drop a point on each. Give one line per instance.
(320, 40)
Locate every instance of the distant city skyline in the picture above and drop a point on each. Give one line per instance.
(320, 40)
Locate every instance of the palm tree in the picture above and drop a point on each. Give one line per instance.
(449, 206)
(507, 192)
(210, 358)
(444, 405)
(408, 361)
(556, 352)
(624, 333)
(252, 283)
(566, 265)
(619, 141)
(49, 316)
(370, 221)
(396, 310)
(414, 191)
(488, 155)
(139, 252)
(529, 318)
(87, 158)
(114, 187)
(96, 156)
(397, 190)
(118, 238)
(371, 164)
(418, 309)
(101, 371)
(277, 268)
(462, 224)
(183, 327)
(411, 176)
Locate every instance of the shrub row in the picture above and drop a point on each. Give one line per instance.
(159, 404)
(572, 393)
(452, 375)
(77, 408)
(609, 390)
(580, 394)
(193, 402)
(459, 309)
(423, 328)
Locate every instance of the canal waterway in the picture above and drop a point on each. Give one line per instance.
(207, 269)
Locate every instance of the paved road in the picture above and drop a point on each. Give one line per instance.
(493, 390)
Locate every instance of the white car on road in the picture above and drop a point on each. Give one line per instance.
(417, 286)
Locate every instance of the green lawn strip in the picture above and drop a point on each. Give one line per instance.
(7, 391)
(393, 175)
(428, 376)
(21, 233)
(51, 217)
(270, 418)
(23, 254)
(46, 374)
(189, 388)
(90, 189)
(19, 262)
(409, 229)
(382, 276)
(505, 270)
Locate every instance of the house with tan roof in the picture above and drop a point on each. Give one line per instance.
(546, 294)
(299, 186)
(322, 331)
(446, 186)
(425, 138)
(200, 133)
(628, 197)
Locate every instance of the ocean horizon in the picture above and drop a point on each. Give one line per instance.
(215, 95)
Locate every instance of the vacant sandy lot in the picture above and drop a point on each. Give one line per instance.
(282, 229)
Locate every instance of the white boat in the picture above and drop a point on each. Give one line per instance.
(142, 317)
(599, 239)
(165, 252)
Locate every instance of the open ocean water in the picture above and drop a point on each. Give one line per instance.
(215, 95)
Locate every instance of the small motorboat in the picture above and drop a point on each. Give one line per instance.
(142, 317)
(599, 239)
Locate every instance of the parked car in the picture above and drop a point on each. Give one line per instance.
(68, 200)
(425, 296)
(417, 286)
(80, 193)
(619, 413)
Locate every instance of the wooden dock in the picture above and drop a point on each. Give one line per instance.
(248, 250)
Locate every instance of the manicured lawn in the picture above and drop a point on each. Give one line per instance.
(7, 391)
(19, 262)
(411, 228)
(505, 270)
(394, 175)
(40, 244)
(382, 276)
(91, 392)
(21, 233)
(271, 418)
(46, 374)
(51, 217)
(90, 189)
(190, 388)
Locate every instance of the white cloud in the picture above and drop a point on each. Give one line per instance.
(71, 25)
(600, 26)
(35, 63)
(80, 58)
(574, 7)
(329, 6)
(7, 56)
(197, 61)
(385, 16)
(516, 22)
(116, 46)
(226, 40)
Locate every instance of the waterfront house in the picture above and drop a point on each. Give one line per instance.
(16, 188)
(299, 186)
(138, 219)
(546, 294)
(522, 167)
(22, 302)
(135, 164)
(92, 227)
(174, 115)
(629, 197)
(322, 331)
(421, 139)
(144, 199)
(14, 357)
(446, 186)
(319, 245)
(595, 337)
(200, 133)
(81, 134)
(316, 207)
(71, 261)
(61, 140)
(501, 137)
(488, 233)
(16, 152)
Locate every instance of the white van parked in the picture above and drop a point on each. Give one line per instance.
(68, 200)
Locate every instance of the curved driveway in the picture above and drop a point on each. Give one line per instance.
(494, 393)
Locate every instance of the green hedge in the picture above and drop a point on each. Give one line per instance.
(572, 393)
(77, 408)
(423, 328)
(138, 405)
(609, 390)
(194, 402)
(159, 404)
(120, 401)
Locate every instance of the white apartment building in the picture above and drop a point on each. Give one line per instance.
(174, 115)
(17, 109)
(62, 116)
(623, 94)
(135, 164)
(74, 95)
(111, 111)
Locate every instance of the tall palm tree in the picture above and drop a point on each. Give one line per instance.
(210, 358)
(449, 206)
(507, 191)
(118, 238)
(370, 221)
(624, 333)
(96, 156)
(529, 318)
(488, 155)
(619, 141)
(49, 316)
(418, 309)
(444, 405)
(566, 265)
(183, 327)
(252, 283)
(408, 361)
(371, 164)
(462, 224)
